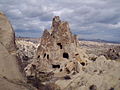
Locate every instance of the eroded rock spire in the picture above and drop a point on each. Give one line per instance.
(58, 50)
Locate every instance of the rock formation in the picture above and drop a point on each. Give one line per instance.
(25, 51)
(101, 74)
(60, 60)
(7, 35)
(10, 76)
(113, 53)
(8, 61)
(58, 51)
(58, 45)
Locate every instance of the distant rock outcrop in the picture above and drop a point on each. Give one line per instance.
(113, 53)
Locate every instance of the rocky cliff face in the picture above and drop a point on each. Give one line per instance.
(8, 61)
(10, 76)
(7, 35)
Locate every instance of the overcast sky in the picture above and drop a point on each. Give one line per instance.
(89, 19)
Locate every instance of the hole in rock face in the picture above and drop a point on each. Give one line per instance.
(60, 45)
(65, 55)
(67, 77)
(55, 66)
(34, 66)
(111, 88)
(60, 70)
(68, 71)
(82, 63)
(30, 77)
(53, 36)
(44, 55)
(93, 87)
(76, 54)
(38, 56)
(47, 56)
(25, 58)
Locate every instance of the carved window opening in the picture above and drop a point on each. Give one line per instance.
(55, 66)
(47, 56)
(65, 55)
(76, 54)
(44, 55)
(38, 56)
(60, 45)
(82, 63)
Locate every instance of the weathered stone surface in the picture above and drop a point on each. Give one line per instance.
(102, 74)
(10, 75)
(7, 35)
(58, 51)
(113, 53)
(8, 62)
(26, 50)
(60, 60)
(9, 65)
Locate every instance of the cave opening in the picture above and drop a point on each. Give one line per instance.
(47, 56)
(38, 56)
(25, 58)
(44, 55)
(60, 45)
(55, 66)
(65, 55)
(82, 63)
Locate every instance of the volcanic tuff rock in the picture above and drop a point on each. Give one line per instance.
(8, 61)
(7, 35)
(58, 47)
(10, 75)
(113, 53)
(26, 50)
(57, 44)
(101, 74)
(60, 60)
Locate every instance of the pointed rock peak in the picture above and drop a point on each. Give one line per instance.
(56, 21)
(46, 33)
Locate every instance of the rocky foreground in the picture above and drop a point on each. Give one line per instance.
(57, 61)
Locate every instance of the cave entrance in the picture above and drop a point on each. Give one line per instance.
(60, 45)
(47, 56)
(44, 55)
(55, 66)
(65, 55)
